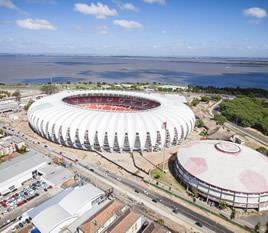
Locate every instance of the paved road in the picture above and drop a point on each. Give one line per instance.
(161, 200)
(140, 190)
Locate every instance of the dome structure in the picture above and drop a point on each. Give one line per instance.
(111, 120)
(225, 171)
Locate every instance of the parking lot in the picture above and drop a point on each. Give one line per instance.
(17, 198)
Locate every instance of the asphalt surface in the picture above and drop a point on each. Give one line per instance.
(161, 200)
(140, 190)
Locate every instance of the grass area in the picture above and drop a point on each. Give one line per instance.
(166, 178)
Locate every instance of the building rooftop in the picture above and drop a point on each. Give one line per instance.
(96, 221)
(20, 164)
(123, 225)
(66, 205)
(56, 175)
(226, 165)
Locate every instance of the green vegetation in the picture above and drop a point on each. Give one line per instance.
(256, 228)
(4, 94)
(204, 133)
(49, 89)
(263, 150)
(251, 92)
(160, 221)
(166, 178)
(195, 102)
(219, 118)
(233, 213)
(156, 173)
(205, 99)
(222, 205)
(247, 112)
(22, 150)
(199, 123)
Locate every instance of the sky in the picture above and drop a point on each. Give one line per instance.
(229, 28)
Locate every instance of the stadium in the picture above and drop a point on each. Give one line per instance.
(112, 120)
(224, 171)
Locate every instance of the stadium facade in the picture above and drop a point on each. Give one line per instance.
(111, 120)
(224, 171)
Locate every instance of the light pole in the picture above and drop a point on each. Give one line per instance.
(164, 126)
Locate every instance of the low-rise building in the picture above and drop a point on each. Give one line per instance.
(103, 219)
(116, 217)
(131, 223)
(15, 172)
(10, 144)
(63, 211)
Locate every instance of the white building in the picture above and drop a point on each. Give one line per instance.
(112, 120)
(15, 172)
(61, 211)
(225, 171)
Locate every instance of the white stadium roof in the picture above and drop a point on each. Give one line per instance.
(53, 118)
(226, 165)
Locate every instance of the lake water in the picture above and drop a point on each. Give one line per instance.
(218, 72)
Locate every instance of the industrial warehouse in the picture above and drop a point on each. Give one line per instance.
(225, 171)
(111, 120)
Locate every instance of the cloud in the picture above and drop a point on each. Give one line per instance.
(35, 24)
(99, 10)
(256, 12)
(128, 6)
(8, 4)
(102, 29)
(162, 2)
(127, 24)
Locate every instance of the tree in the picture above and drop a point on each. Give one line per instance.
(205, 99)
(204, 133)
(262, 150)
(195, 192)
(233, 213)
(49, 89)
(222, 205)
(199, 123)
(160, 221)
(17, 95)
(247, 112)
(219, 118)
(195, 102)
(257, 227)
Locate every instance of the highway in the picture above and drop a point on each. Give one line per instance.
(140, 191)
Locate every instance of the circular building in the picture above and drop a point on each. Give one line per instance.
(225, 171)
(111, 120)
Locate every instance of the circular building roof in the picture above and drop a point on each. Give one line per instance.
(226, 165)
(127, 119)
